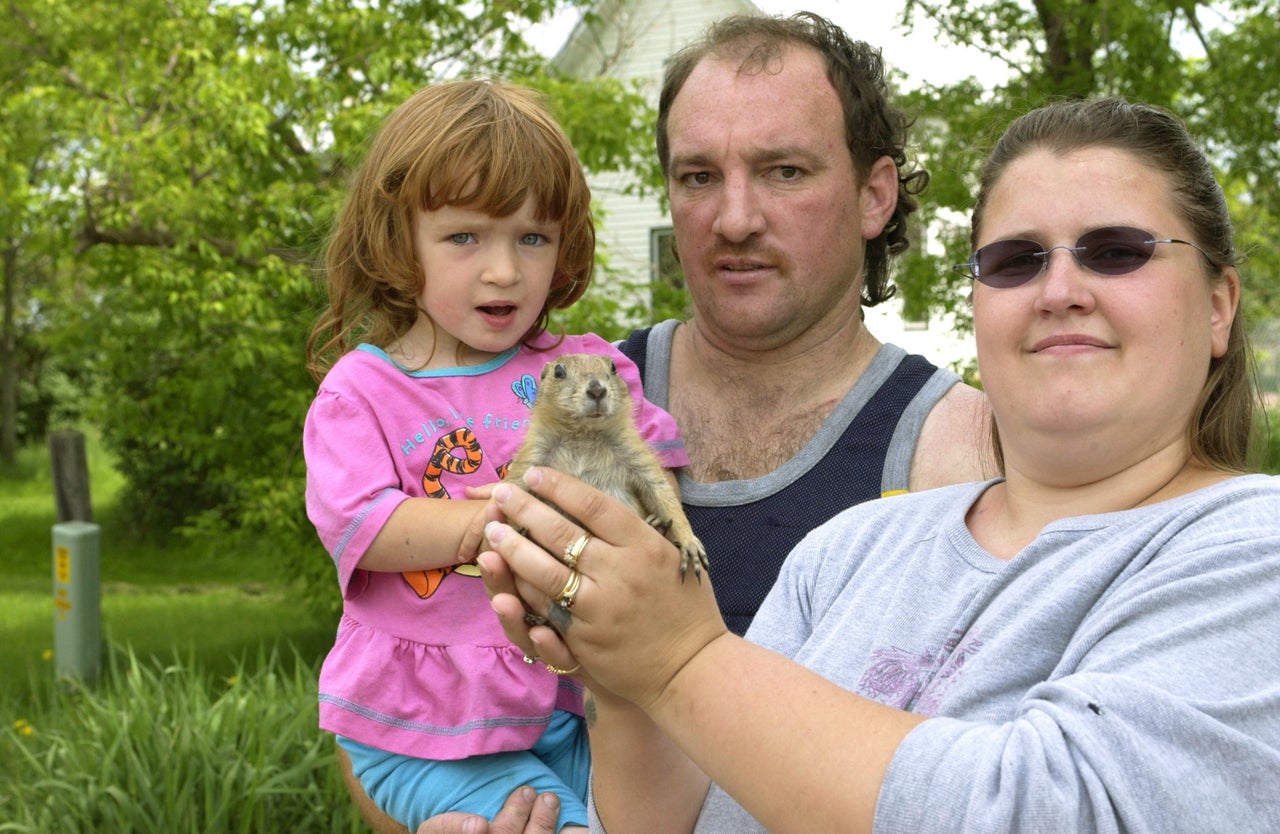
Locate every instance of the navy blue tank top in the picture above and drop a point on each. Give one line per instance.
(749, 527)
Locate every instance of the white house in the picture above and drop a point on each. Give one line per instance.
(630, 40)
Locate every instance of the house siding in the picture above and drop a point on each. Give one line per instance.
(650, 32)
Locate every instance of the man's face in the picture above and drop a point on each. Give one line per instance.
(769, 217)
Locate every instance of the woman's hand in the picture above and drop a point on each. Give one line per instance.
(632, 622)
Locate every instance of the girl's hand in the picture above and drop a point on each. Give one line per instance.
(480, 492)
(473, 538)
(632, 623)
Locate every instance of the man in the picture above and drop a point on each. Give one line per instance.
(785, 166)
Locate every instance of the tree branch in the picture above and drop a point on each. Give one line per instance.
(136, 236)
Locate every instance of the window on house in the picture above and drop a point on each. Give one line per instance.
(668, 297)
(666, 269)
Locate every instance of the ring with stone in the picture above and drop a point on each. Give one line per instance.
(565, 598)
(574, 550)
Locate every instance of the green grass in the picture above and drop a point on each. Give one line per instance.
(204, 716)
(28, 514)
(218, 604)
(217, 625)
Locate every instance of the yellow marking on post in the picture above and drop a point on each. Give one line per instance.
(62, 564)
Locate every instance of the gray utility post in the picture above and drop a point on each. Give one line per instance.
(77, 600)
(77, 583)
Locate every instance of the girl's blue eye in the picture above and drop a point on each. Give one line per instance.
(461, 237)
(532, 239)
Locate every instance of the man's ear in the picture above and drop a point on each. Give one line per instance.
(879, 197)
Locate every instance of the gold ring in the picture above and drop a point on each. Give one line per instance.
(565, 598)
(556, 670)
(574, 550)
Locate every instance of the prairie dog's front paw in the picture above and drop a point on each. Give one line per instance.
(662, 525)
(692, 552)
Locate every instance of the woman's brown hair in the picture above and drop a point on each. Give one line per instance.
(1221, 430)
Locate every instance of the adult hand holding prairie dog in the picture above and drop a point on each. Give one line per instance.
(626, 603)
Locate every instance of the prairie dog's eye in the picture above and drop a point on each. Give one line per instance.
(613, 369)
(560, 372)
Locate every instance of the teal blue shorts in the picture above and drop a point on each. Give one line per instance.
(411, 790)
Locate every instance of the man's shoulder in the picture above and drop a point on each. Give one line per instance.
(955, 442)
(962, 401)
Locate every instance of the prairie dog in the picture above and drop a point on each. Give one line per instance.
(581, 424)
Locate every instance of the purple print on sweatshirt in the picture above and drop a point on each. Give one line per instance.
(917, 681)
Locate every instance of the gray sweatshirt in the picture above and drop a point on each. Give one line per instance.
(1121, 673)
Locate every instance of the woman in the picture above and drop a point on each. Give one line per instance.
(1085, 644)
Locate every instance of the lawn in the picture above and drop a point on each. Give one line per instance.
(216, 605)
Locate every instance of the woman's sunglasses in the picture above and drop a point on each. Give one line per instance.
(1114, 250)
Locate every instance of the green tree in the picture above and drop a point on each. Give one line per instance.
(204, 146)
(34, 254)
(1226, 92)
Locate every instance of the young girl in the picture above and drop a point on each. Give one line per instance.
(466, 225)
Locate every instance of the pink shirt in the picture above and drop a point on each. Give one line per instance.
(420, 665)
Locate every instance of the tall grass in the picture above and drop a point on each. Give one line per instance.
(199, 721)
(161, 747)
